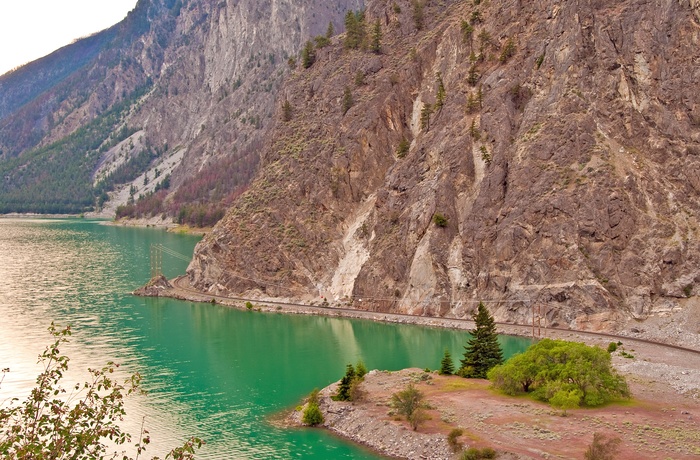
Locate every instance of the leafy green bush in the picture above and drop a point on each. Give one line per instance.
(312, 415)
(552, 366)
(453, 439)
(360, 369)
(45, 426)
(688, 290)
(475, 454)
(409, 402)
(440, 220)
(602, 448)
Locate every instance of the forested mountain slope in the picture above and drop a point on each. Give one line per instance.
(170, 105)
(521, 153)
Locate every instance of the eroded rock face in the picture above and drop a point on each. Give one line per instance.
(571, 184)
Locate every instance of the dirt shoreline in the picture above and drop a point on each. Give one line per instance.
(657, 424)
(662, 421)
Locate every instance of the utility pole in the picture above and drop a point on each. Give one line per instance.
(156, 260)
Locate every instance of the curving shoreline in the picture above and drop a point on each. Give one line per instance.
(179, 288)
(517, 428)
(664, 378)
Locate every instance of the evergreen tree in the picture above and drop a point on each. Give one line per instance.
(485, 155)
(359, 78)
(484, 41)
(441, 92)
(344, 387)
(376, 44)
(446, 365)
(425, 113)
(403, 148)
(418, 15)
(476, 17)
(330, 31)
(472, 103)
(508, 50)
(348, 100)
(308, 55)
(287, 110)
(473, 75)
(350, 30)
(354, 29)
(474, 130)
(467, 33)
(482, 351)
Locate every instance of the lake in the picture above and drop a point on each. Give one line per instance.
(210, 371)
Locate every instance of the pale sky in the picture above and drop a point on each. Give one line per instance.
(30, 29)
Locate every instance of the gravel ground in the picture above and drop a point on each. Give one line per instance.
(662, 422)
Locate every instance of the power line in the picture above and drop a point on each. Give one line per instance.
(157, 251)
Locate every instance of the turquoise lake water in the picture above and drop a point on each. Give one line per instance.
(210, 371)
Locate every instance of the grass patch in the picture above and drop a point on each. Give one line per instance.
(457, 384)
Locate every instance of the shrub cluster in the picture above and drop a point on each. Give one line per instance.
(312, 414)
(566, 374)
(349, 388)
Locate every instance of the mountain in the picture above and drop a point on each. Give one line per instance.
(169, 105)
(527, 154)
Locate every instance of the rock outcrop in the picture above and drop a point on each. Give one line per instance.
(156, 287)
(562, 158)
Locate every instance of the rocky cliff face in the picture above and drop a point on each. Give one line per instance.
(562, 158)
(211, 69)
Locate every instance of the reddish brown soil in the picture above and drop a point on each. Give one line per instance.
(656, 424)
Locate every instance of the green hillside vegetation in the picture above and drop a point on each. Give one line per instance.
(57, 178)
(565, 374)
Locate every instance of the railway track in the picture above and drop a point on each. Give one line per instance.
(182, 283)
